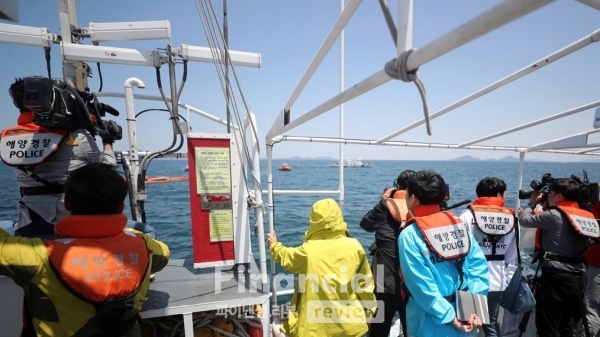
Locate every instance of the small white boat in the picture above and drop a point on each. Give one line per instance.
(186, 168)
(351, 163)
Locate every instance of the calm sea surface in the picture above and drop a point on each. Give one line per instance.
(168, 209)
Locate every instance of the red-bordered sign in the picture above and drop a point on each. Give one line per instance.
(209, 161)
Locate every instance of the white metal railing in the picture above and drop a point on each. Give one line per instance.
(480, 25)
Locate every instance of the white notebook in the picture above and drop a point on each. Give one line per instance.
(469, 303)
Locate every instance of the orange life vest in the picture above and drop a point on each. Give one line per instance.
(100, 269)
(581, 220)
(494, 219)
(444, 233)
(396, 204)
(27, 144)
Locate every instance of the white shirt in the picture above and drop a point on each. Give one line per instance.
(507, 245)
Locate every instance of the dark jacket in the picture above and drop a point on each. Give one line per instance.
(385, 249)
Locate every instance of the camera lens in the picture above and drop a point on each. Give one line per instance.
(525, 194)
(536, 185)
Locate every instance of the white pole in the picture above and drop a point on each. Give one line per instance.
(404, 40)
(259, 213)
(131, 130)
(338, 27)
(271, 218)
(342, 146)
(592, 3)
(520, 181)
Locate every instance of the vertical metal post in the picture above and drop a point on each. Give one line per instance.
(173, 86)
(74, 72)
(405, 26)
(226, 63)
(259, 213)
(133, 150)
(520, 181)
(271, 216)
(342, 146)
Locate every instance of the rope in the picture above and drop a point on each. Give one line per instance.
(204, 320)
(397, 69)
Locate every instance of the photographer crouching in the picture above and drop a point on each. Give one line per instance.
(563, 232)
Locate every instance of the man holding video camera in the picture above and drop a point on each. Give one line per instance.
(43, 157)
(564, 229)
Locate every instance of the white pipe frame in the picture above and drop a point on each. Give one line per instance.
(573, 47)
(133, 150)
(480, 25)
(180, 104)
(533, 123)
(342, 121)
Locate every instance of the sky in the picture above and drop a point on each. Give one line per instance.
(288, 34)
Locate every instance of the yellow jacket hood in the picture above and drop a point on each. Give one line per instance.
(326, 221)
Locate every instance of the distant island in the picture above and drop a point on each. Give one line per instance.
(303, 158)
(471, 158)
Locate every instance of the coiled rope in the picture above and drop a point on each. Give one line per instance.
(204, 320)
(397, 69)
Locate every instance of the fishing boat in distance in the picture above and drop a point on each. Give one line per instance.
(351, 163)
(284, 167)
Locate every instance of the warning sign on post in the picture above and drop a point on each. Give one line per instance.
(221, 225)
(213, 173)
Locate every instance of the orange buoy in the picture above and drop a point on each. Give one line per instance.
(151, 180)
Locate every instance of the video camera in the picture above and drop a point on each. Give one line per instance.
(57, 105)
(536, 185)
(588, 192)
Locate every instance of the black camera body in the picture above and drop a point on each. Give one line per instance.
(588, 192)
(536, 185)
(57, 105)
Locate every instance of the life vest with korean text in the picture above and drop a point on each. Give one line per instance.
(100, 269)
(28, 145)
(582, 221)
(494, 221)
(446, 236)
(444, 233)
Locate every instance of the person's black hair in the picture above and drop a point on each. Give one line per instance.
(569, 188)
(428, 186)
(490, 187)
(403, 177)
(17, 92)
(95, 189)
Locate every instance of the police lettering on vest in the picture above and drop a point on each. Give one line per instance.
(23, 147)
(493, 220)
(582, 221)
(445, 235)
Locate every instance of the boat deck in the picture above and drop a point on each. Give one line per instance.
(179, 289)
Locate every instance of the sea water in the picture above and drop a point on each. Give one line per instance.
(168, 208)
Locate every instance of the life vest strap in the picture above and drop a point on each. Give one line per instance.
(564, 259)
(42, 190)
(495, 257)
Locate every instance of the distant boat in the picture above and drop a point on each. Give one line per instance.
(351, 163)
(284, 167)
(186, 168)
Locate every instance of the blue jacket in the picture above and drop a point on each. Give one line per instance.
(427, 311)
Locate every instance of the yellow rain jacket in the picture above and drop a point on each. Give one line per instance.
(334, 291)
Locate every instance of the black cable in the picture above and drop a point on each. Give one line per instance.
(47, 53)
(100, 76)
(165, 110)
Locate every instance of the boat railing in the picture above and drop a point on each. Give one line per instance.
(480, 25)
